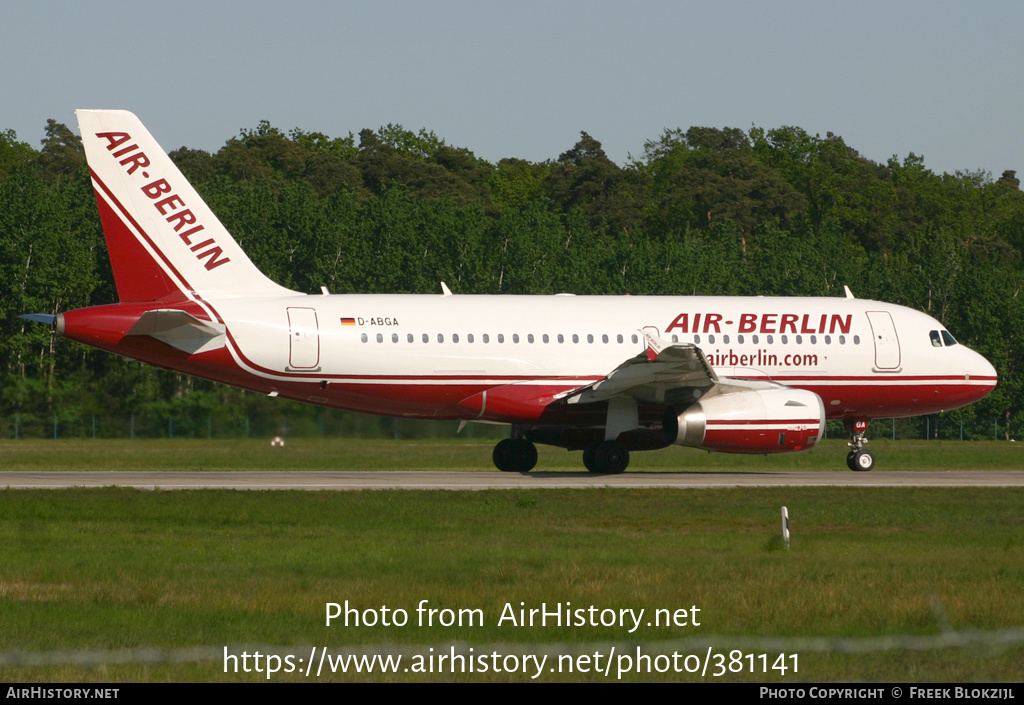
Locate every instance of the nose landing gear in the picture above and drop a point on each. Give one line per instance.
(858, 459)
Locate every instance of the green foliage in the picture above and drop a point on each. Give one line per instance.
(417, 145)
(702, 211)
(608, 196)
(62, 153)
(516, 182)
(707, 175)
(14, 154)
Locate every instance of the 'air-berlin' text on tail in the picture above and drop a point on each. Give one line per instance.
(164, 241)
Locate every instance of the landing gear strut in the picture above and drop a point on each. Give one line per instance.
(858, 458)
(606, 457)
(515, 455)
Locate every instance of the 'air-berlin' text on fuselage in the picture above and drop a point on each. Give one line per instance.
(762, 323)
(170, 205)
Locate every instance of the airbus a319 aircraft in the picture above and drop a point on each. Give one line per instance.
(606, 375)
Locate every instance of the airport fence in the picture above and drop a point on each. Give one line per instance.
(298, 423)
(295, 420)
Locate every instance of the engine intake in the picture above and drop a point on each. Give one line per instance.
(772, 419)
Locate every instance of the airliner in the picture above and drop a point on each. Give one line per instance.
(605, 375)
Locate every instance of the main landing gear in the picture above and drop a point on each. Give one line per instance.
(606, 457)
(858, 458)
(515, 455)
(520, 455)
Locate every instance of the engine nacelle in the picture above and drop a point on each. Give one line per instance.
(757, 419)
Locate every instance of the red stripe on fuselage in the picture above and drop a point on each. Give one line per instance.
(433, 396)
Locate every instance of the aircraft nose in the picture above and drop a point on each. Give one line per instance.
(981, 373)
(983, 368)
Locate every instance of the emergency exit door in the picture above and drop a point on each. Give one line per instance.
(887, 343)
(304, 339)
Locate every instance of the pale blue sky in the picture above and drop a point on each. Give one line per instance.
(522, 79)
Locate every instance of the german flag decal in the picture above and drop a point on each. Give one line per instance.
(348, 321)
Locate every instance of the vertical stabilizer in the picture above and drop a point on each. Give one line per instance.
(163, 239)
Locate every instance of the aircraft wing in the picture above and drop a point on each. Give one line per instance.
(665, 373)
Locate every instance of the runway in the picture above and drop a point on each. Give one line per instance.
(492, 480)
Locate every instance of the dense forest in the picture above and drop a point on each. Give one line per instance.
(701, 211)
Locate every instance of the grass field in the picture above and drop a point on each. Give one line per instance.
(110, 570)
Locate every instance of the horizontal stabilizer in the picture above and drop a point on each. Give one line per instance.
(46, 318)
(180, 330)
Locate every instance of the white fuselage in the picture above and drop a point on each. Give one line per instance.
(864, 358)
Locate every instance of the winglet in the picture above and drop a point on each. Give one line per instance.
(654, 344)
(445, 291)
(849, 294)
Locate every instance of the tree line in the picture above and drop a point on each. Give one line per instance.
(701, 211)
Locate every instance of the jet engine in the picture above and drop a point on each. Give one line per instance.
(757, 417)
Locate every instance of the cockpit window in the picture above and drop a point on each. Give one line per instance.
(936, 340)
(947, 338)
